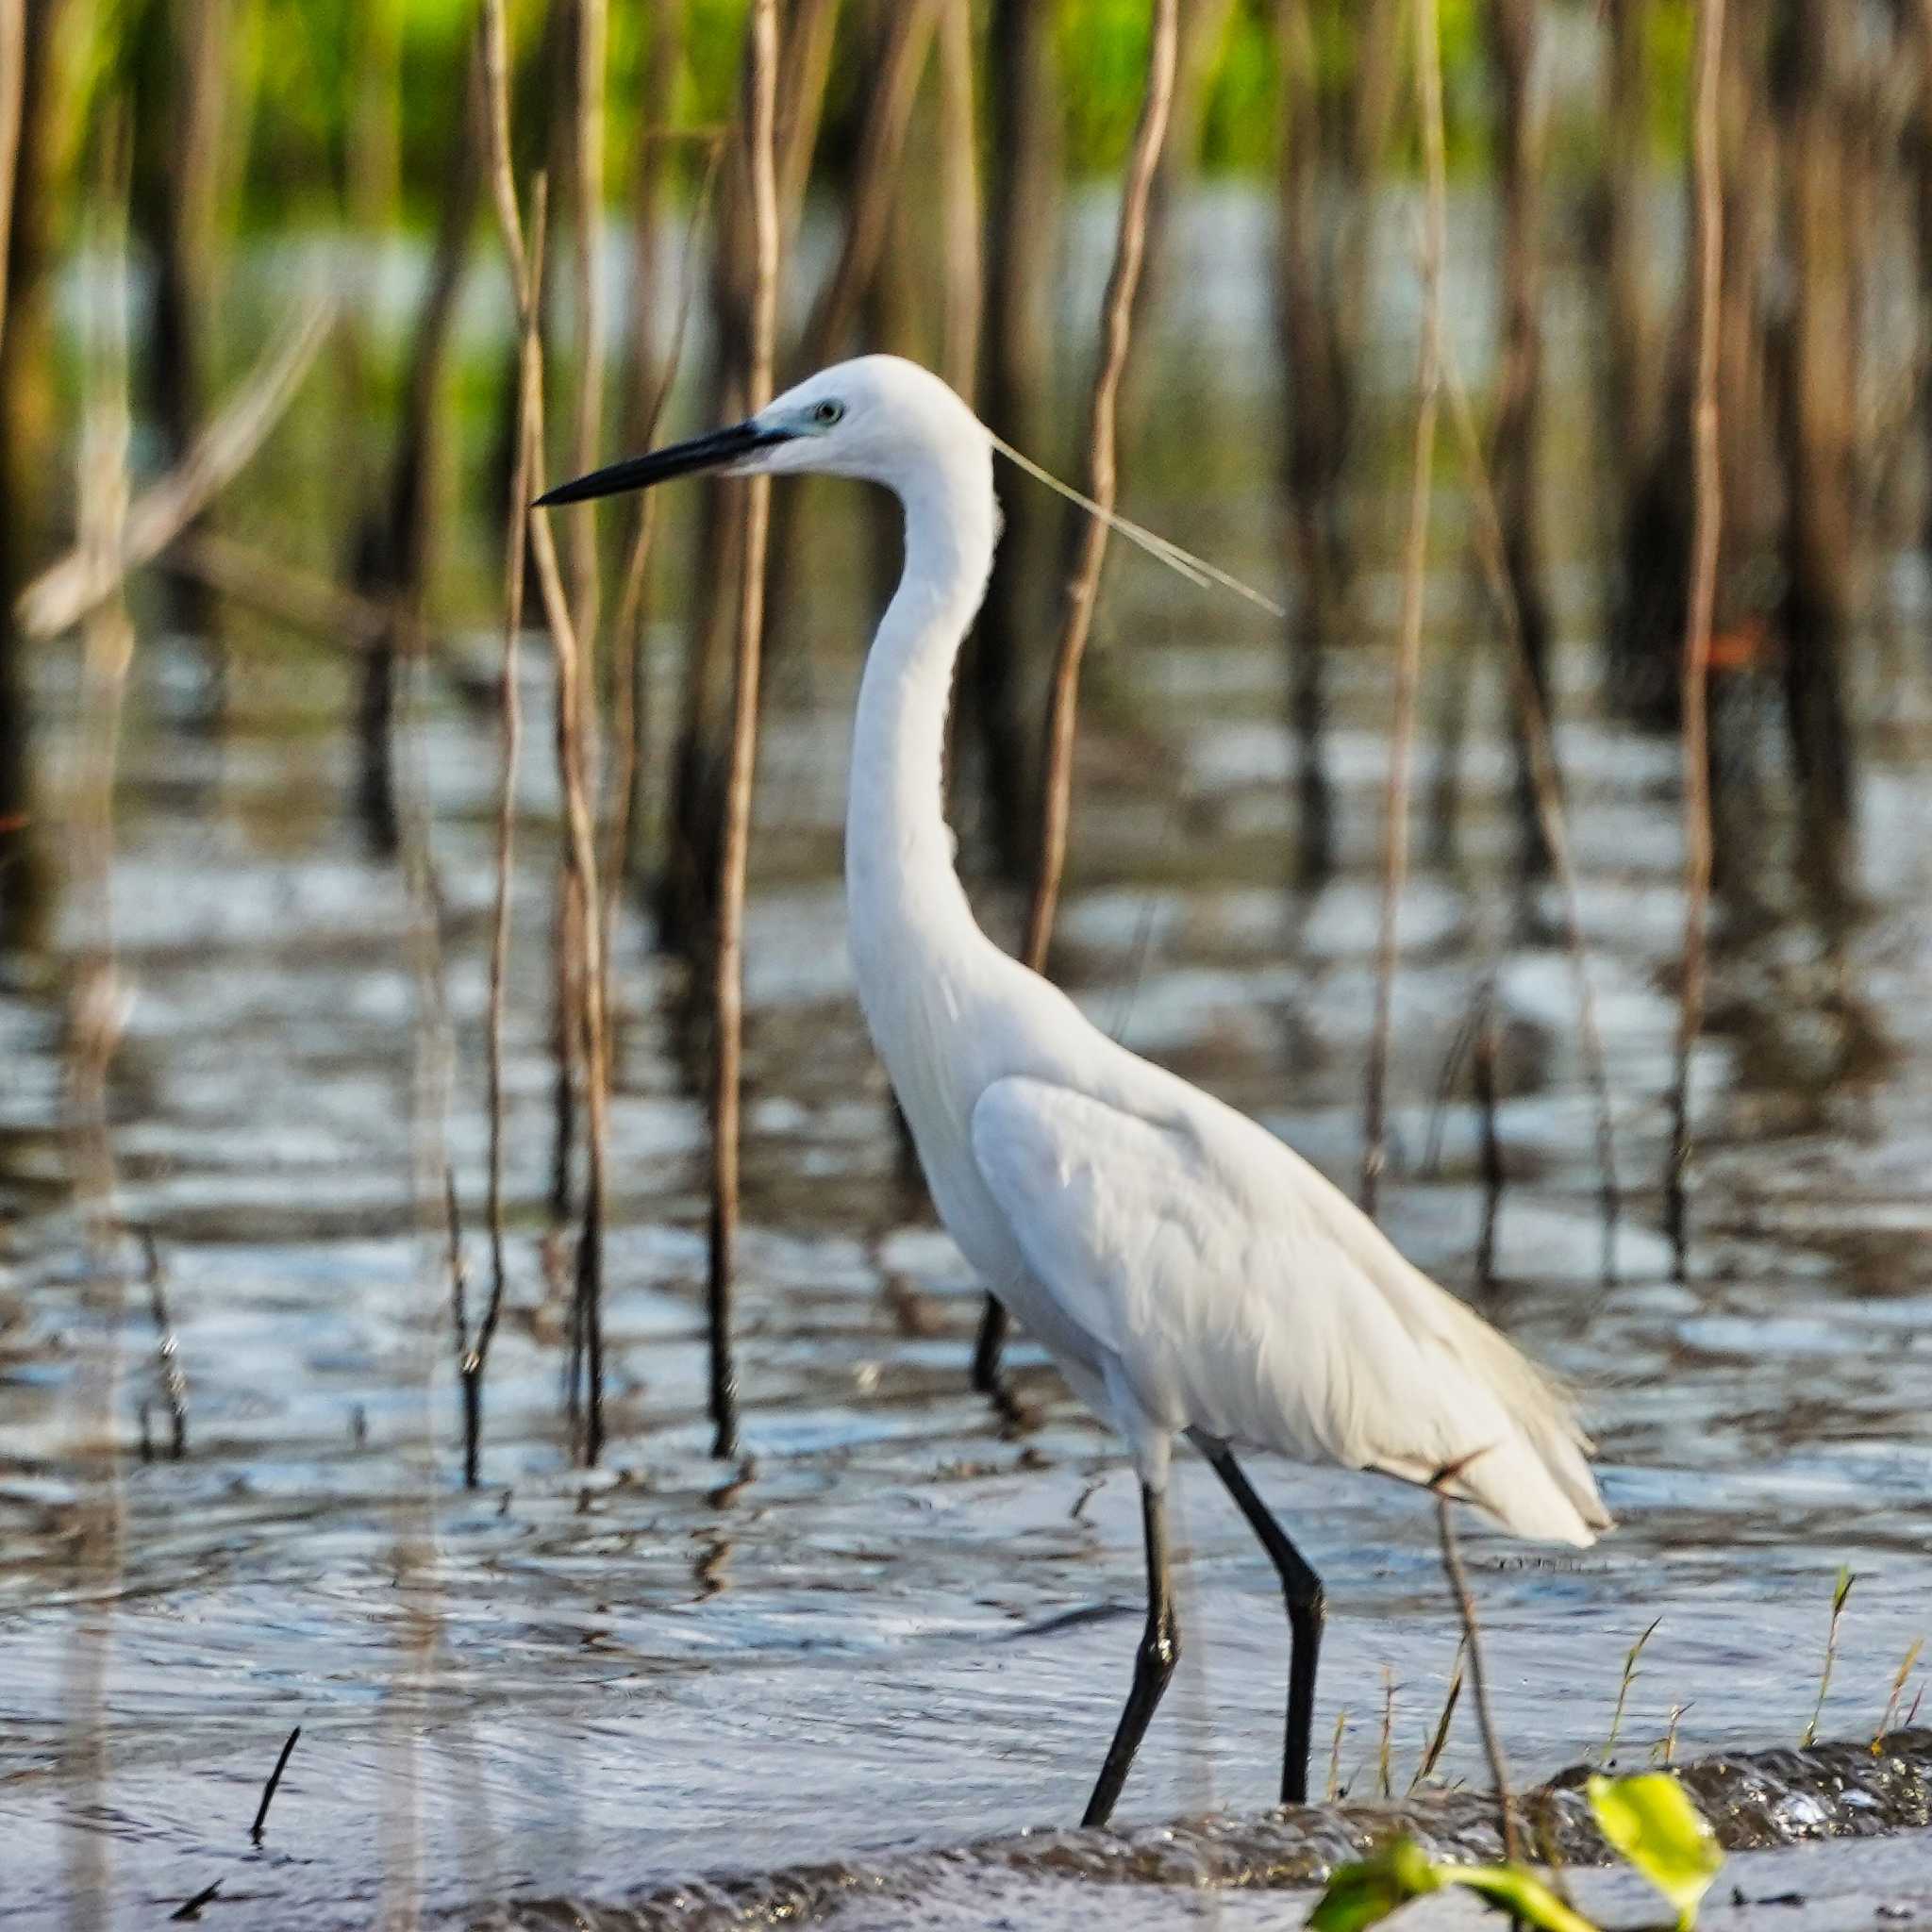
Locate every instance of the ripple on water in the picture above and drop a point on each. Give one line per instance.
(895, 1625)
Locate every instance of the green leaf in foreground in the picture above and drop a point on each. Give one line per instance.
(1365, 1894)
(1523, 1895)
(1651, 1820)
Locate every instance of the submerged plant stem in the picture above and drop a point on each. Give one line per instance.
(581, 897)
(1428, 84)
(727, 986)
(1707, 207)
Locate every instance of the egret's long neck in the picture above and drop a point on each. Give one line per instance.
(898, 849)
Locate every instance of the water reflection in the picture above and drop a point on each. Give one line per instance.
(897, 1623)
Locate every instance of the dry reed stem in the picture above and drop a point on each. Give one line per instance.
(503, 185)
(394, 541)
(1438, 1737)
(960, 216)
(734, 846)
(895, 60)
(627, 722)
(1548, 791)
(107, 649)
(589, 1023)
(1707, 201)
(581, 949)
(1483, 1060)
(417, 1628)
(94, 1027)
(1510, 33)
(593, 48)
(329, 613)
(805, 63)
(1428, 88)
(1385, 1748)
(286, 593)
(12, 76)
(67, 590)
(1665, 1750)
(1478, 1679)
(528, 296)
(1103, 480)
(1117, 313)
(875, 173)
(627, 725)
(1898, 1692)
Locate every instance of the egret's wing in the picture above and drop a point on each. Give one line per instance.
(1242, 1295)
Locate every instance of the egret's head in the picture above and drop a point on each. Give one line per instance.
(877, 417)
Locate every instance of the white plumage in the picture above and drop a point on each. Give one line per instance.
(1234, 1290)
(1186, 1270)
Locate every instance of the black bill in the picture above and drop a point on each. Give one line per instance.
(660, 465)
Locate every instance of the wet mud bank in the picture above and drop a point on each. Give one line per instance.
(1757, 1802)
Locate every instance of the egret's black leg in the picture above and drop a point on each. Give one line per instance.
(986, 1351)
(1154, 1662)
(1302, 1589)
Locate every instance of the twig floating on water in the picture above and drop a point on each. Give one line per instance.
(190, 1910)
(268, 1798)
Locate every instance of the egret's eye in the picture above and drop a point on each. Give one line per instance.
(825, 414)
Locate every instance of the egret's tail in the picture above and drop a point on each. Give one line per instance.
(1526, 1461)
(1541, 1490)
(1539, 1486)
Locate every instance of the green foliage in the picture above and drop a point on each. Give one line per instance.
(1364, 1894)
(1651, 1820)
(1101, 49)
(1648, 1819)
(1523, 1896)
(1238, 130)
(1840, 1594)
(303, 73)
(1630, 1674)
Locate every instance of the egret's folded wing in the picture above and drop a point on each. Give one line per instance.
(1240, 1293)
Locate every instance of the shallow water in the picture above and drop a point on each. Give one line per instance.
(897, 1625)
(1756, 1803)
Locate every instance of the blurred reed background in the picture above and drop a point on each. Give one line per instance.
(388, 265)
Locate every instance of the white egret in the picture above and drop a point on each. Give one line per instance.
(1188, 1272)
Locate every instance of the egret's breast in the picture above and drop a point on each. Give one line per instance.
(939, 1039)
